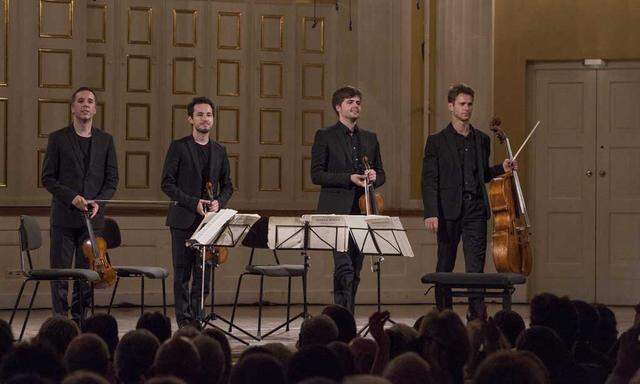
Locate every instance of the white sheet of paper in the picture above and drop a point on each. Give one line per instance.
(289, 235)
(211, 226)
(389, 235)
(328, 232)
(237, 229)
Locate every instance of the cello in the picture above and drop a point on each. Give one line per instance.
(371, 203)
(510, 236)
(95, 251)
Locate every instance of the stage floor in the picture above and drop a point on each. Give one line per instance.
(246, 318)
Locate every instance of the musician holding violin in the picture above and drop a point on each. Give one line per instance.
(337, 166)
(79, 165)
(196, 175)
(454, 172)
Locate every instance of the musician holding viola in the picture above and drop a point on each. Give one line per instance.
(337, 166)
(195, 168)
(455, 169)
(79, 165)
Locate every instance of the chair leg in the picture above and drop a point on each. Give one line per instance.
(164, 297)
(15, 307)
(113, 295)
(141, 295)
(288, 302)
(260, 305)
(235, 302)
(26, 318)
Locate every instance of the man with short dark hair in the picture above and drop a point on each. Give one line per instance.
(79, 166)
(337, 166)
(196, 176)
(134, 356)
(454, 170)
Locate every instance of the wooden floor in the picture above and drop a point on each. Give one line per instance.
(246, 318)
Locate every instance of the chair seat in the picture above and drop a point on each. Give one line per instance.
(63, 273)
(134, 270)
(276, 270)
(462, 280)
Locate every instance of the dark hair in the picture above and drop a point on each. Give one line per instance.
(211, 356)
(178, 357)
(344, 93)
(199, 100)
(134, 355)
(316, 360)
(587, 320)
(458, 89)
(402, 338)
(408, 368)
(258, 368)
(345, 356)
(510, 323)
(606, 332)
(221, 338)
(105, 326)
(82, 89)
(364, 354)
(156, 323)
(511, 367)
(84, 377)
(317, 330)
(58, 331)
(344, 321)
(547, 346)
(32, 358)
(87, 352)
(557, 313)
(6, 338)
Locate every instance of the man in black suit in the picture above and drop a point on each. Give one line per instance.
(79, 165)
(336, 165)
(454, 171)
(191, 163)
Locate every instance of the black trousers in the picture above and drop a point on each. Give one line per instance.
(66, 251)
(346, 276)
(472, 228)
(187, 263)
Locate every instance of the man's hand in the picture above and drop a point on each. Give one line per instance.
(214, 206)
(80, 203)
(202, 206)
(376, 327)
(94, 209)
(358, 179)
(371, 175)
(509, 165)
(432, 224)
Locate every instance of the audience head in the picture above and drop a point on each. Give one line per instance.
(344, 320)
(365, 379)
(547, 346)
(280, 352)
(134, 356)
(402, 338)
(221, 338)
(188, 331)
(510, 323)
(587, 320)
(33, 357)
(317, 330)
(58, 331)
(6, 338)
(29, 378)
(165, 380)
(445, 343)
(557, 313)
(156, 323)
(606, 332)
(364, 353)
(178, 357)
(258, 368)
(485, 338)
(344, 355)
(509, 367)
(211, 358)
(84, 377)
(87, 352)
(105, 326)
(408, 368)
(314, 361)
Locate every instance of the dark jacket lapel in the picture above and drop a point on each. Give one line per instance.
(75, 148)
(193, 151)
(451, 143)
(480, 155)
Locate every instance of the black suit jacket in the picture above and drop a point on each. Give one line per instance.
(63, 175)
(331, 167)
(182, 179)
(442, 174)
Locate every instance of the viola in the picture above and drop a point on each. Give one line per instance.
(95, 251)
(221, 253)
(371, 203)
(511, 248)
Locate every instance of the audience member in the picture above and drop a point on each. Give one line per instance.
(364, 354)
(188, 331)
(178, 357)
(280, 352)
(317, 330)
(34, 357)
(105, 326)
(134, 355)
(211, 358)
(510, 323)
(557, 313)
(402, 338)
(485, 338)
(606, 334)
(628, 361)
(221, 338)
(365, 379)
(156, 323)
(87, 352)
(345, 356)
(29, 378)
(344, 320)
(313, 361)
(6, 338)
(408, 368)
(511, 367)
(58, 331)
(258, 368)
(84, 377)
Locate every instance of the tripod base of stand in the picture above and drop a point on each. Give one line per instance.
(210, 318)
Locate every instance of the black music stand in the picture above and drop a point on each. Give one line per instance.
(231, 241)
(307, 230)
(378, 243)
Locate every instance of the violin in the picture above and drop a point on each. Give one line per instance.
(511, 249)
(95, 251)
(371, 203)
(221, 252)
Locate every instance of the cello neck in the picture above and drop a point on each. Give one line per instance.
(516, 181)
(92, 236)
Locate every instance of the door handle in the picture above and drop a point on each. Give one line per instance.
(602, 172)
(589, 173)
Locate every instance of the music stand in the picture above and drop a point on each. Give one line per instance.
(388, 240)
(304, 236)
(229, 236)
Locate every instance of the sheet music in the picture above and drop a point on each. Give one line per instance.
(328, 232)
(237, 229)
(290, 235)
(211, 226)
(388, 233)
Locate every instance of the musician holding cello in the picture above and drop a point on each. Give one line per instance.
(337, 166)
(196, 176)
(455, 169)
(79, 165)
